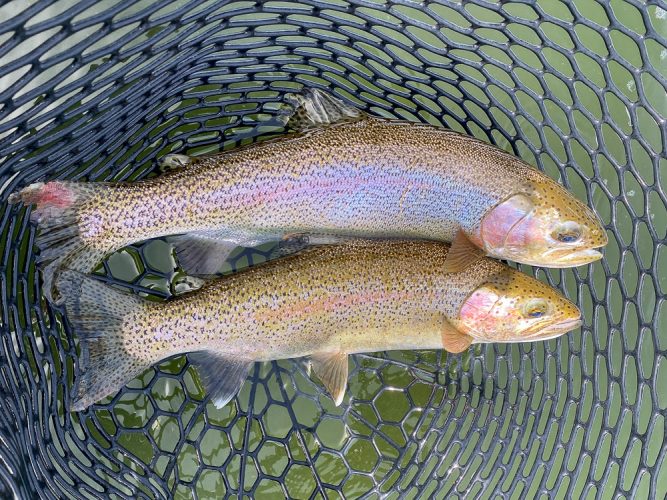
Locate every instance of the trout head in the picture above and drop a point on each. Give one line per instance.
(543, 226)
(512, 307)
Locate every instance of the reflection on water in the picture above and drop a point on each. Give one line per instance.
(133, 410)
(165, 432)
(215, 447)
(168, 394)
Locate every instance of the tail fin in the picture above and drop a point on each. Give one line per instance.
(56, 215)
(98, 313)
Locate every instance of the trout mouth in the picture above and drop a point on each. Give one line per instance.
(557, 329)
(553, 258)
(563, 257)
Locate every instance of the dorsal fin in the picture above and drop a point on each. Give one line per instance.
(202, 253)
(314, 108)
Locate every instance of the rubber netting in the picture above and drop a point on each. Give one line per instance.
(100, 90)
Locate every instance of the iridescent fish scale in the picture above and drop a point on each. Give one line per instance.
(358, 297)
(409, 180)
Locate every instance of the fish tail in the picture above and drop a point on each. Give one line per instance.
(56, 213)
(98, 313)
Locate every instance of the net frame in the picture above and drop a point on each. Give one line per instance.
(100, 90)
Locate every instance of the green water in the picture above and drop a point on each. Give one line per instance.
(382, 428)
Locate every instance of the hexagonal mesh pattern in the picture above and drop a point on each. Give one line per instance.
(99, 90)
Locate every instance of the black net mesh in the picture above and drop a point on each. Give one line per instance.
(101, 89)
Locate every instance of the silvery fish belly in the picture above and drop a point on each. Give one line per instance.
(342, 174)
(325, 303)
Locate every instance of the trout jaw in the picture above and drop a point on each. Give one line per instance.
(553, 258)
(557, 329)
(569, 258)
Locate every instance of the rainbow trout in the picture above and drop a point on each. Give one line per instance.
(326, 302)
(344, 174)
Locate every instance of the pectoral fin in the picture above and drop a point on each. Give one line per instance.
(222, 376)
(453, 340)
(312, 108)
(332, 370)
(462, 254)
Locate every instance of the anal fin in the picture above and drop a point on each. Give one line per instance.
(201, 254)
(332, 370)
(222, 376)
(462, 254)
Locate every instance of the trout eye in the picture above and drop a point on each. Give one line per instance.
(567, 232)
(535, 308)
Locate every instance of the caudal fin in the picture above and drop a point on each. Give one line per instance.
(99, 315)
(57, 217)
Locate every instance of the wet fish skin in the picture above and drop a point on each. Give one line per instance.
(408, 180)
(361, 176)
(326, 302)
